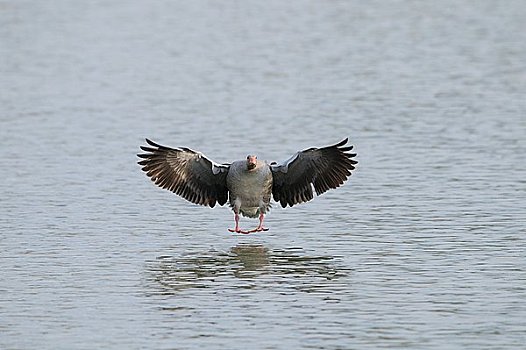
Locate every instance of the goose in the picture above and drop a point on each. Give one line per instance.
(247, 185)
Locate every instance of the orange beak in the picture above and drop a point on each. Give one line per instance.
(252, 162)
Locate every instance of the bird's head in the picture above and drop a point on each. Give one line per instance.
(252, 162)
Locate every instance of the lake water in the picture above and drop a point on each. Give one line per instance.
(424, 247)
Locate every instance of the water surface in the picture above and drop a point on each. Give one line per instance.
(422, 248)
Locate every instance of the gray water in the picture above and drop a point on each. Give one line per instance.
(423, 248)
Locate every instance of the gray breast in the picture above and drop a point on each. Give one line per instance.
(249, 191)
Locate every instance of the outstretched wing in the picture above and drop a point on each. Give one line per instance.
(187, 173)
(325, 168)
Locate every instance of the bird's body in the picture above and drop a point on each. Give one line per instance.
(248, 184)
(250, 190)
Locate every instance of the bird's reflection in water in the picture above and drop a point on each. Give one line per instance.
(243, 266)
(253, 258)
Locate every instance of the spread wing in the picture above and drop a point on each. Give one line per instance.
(325, 168)
(187, 173)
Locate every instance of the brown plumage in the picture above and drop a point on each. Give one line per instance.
(325, 168)
(186, 173)
(247, 185)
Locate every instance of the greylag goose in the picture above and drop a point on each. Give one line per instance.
(247, 184)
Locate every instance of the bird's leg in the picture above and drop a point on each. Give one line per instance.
(260, 226)
(236, 217)
(237, 229)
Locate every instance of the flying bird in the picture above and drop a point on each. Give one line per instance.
(247, 184)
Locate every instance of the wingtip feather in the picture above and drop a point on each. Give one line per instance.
(342, 142)
(150, 142)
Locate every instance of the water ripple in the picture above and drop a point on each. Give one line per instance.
(245, 266)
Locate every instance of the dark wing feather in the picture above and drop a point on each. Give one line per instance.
(325, 168)
(187, 173)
